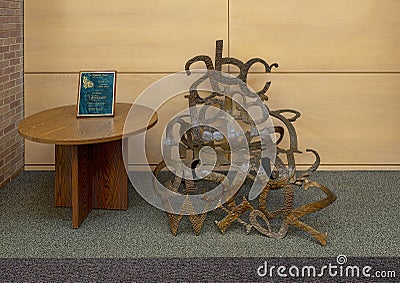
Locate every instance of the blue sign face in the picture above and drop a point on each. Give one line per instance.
(96, 94)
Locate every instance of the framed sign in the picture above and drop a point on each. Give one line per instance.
(96, 96)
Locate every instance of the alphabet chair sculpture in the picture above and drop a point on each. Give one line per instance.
(280, 175)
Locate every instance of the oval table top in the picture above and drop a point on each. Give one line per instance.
(61, 126)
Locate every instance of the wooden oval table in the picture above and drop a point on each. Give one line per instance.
(89, 163)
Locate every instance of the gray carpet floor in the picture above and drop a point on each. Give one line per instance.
(364, 221)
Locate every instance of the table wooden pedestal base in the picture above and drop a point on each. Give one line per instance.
(91, 176)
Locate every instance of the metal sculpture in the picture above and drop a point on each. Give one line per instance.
(281, 176)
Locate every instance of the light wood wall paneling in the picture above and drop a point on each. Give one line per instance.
(45, 91)
(318, 35)
(348, 118)
(122, 35)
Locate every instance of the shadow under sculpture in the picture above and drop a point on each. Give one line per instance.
(281, 172)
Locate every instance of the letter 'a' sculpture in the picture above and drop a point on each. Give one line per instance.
(282, 173)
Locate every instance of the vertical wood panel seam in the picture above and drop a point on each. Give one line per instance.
(229, 32)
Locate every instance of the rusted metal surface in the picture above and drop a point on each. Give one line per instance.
(282, 174)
